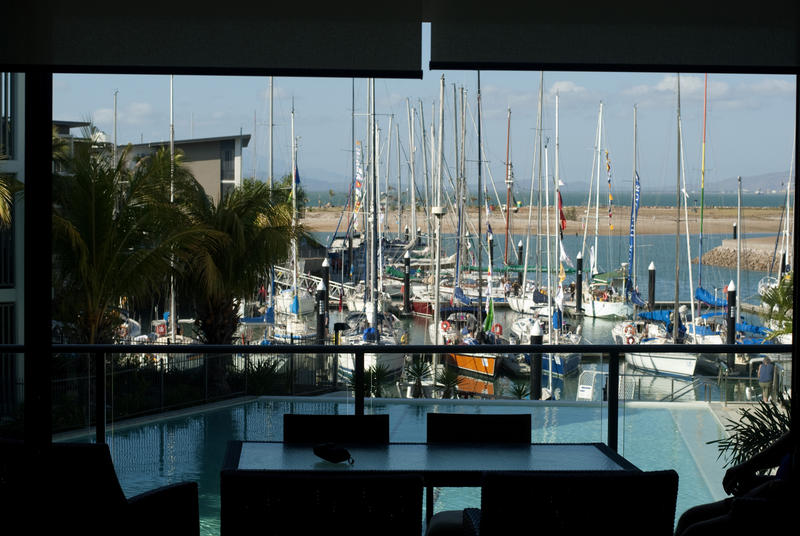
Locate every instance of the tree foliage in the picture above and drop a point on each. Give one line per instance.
(253, 231)
(115, 234)
(778, 302)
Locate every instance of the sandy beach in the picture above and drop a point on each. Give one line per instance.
(652, 220)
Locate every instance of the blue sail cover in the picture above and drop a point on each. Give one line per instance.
(662, 315)
(459, 297)
(706, 297)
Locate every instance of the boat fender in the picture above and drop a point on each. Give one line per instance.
(498, 329)
(445, 325)
(631, 340)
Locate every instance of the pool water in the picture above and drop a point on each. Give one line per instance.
(191, 447)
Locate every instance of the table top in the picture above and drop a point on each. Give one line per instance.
(457, 463)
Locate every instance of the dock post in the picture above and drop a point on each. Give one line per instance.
(579, 284)
(326, 279)
(536, 365)
(651, 286)
(407, 282)
(731, 335)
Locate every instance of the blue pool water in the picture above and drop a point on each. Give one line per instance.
(191, 446)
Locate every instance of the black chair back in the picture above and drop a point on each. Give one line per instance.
(340, 429)
(580, 502)
(322, 502)
(479, 428)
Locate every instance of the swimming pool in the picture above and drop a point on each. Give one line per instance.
(191, 446)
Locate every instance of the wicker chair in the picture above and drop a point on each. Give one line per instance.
(576, 502)
(342, 429)
(76, 491)
(321, 502)
(470, 428)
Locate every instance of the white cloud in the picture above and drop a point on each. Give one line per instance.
(770, 87)
(563, 87)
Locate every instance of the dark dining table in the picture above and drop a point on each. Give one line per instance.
(443, 465)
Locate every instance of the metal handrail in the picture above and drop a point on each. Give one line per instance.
(613, 350)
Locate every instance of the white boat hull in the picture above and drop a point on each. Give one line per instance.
(666, 363)
(608, 309)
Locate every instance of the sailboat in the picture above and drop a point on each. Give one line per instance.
(530, 299)
(294, 304)
(604, 296)
(664, 327)
(371, 326)
(550, 324)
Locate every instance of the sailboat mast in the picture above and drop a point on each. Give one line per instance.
(480, 208)
(294, 203)
(632, 267)
(676, 305)
(412, 186)
(375, 245)
(508, 186)
(596, 255)
(537, 137)
(438, 211)
(271, 123)
(557, 209)
(787, 235)
(702, 184)
(171, 200)
(739, 249)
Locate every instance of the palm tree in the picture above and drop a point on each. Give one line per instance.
(778, 302)
(115, 234)
(255, 232)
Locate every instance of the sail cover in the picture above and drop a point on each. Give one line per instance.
(706, 297)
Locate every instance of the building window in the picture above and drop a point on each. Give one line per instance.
(226, 160)
(6, 125)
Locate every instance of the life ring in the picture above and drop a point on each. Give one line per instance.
(498, 329)
(161, 330)
(631, 340)
(445, 325)
(628, 329)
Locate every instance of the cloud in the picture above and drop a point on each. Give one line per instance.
(563, 87)
(770, 87)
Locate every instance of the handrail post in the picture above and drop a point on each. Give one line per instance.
(100, 397)
(613, 399)
(359, 382)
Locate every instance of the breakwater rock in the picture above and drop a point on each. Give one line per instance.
(754, 259)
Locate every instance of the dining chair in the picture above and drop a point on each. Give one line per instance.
(576, 502)
(72, 488)
(322, 502)
(342, 429)
(507, 428)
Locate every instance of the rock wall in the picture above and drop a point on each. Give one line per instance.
(752, 259)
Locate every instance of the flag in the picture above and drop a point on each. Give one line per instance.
(561, 212)
(487, 324)
(564, 257)
(296, 174)
(562, 275)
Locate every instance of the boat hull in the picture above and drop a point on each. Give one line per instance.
(393, 363)
(481, 365)
(663, 363)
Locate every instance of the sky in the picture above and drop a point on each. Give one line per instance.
(749, 121)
